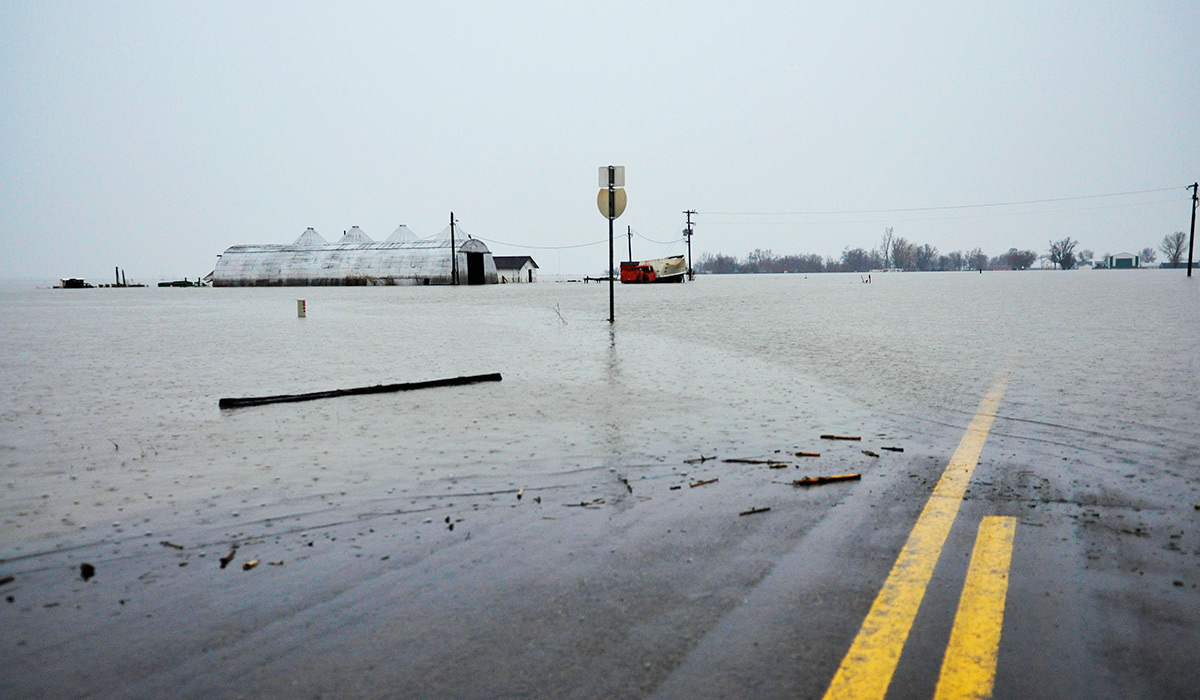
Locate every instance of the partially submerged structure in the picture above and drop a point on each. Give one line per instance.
(403, 259)
(516, 268)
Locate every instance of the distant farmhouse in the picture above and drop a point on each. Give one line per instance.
(1123, 261)
(403, 259)
(515, 268)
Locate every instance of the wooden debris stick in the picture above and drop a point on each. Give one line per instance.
(172, 545)
(699, 460)
(377, 389)
(892, 449)
(778, 465)
(705, 482)
(808, 454)
(840, 437)
(738, 460)
(585, 504)
(754, 511)
(817, 480)
(871, 454)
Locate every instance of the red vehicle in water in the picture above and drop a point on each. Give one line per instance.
(670, 269)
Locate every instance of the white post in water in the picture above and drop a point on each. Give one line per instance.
(301, 311)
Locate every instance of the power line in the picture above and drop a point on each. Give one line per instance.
(937, 218)
(543, 247)
(943, 208)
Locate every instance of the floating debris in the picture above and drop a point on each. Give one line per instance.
(704, 482)
(778, 465)
(699, 460)
(250, 565)
(817, 480)
(377, 389)
(585, 504)
(172, 545)
(280, 562)
(676, 487)
(228, 556)
(892, 449)
(7, 579)
(871, 454)
(841, 437)
(755, 511)
(520, 492)
(625, 481)
(86, 571)
(738, 460)
(808, 454)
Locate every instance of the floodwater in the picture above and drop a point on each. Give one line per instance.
(110, 431)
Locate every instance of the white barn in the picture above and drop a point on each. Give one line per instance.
(403, 259)
(515, 268)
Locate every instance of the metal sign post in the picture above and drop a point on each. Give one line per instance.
(611, 201)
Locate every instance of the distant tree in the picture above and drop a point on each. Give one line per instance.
(760, 261)
(718, 264)
(1019, 259)
(1062, 252)
(1148, 255)
(1172, 247)
(977, 259)
(1083, 257)
(926, 257)
(886, 246)
(904, 254)
(859, 260)
(954, 261)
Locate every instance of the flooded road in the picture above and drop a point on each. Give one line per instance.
(556, 534)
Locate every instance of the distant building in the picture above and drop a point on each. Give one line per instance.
(402, 259)
(1123, 261)
(515, 268)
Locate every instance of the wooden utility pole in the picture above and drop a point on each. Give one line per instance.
(687, 232)
(1192, 237)
(630, 234)
(453, 254)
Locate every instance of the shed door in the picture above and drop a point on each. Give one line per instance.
(475, 268)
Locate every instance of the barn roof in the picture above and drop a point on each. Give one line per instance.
(310, 237)
(513, 262)
(354, 236)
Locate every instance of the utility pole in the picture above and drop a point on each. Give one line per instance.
(687, 232)
(1192, 237)
(630, 234)
(453, 254)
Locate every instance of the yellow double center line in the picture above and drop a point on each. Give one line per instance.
(867, 669)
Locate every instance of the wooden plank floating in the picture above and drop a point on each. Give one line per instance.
(818, 480)
(840, 437)
(755, 511)
(808, 454)
(377, 389)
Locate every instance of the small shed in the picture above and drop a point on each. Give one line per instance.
(1123, 261)
(515, 268)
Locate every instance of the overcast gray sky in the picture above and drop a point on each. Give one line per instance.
(153, 135)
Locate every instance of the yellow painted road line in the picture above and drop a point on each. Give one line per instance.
(969, 668)
(867, 669)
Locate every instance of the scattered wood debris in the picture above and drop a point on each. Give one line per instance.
(892, 449)
(520, 492)
(172, 545)
(808, 454)
(377, 389)
(778, 465)
(739, 460)
(86, 571)
(280, 562)
(228, 556)
(676, 487)
(755, 511)
(841, 437)
(250, 565)
(625, 481)
(817, 480)
(704, 482)
(585, 504)
(7, 579)
(699, 460)
(871, 454)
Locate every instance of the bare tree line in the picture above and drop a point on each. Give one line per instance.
(898, 253)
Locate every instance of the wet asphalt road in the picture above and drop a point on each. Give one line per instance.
(627, 581)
